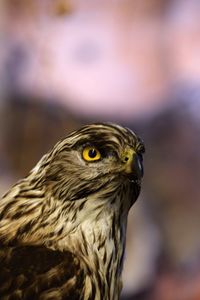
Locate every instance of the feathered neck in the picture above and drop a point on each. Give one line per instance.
(93, 229)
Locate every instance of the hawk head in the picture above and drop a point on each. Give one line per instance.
(96, 161)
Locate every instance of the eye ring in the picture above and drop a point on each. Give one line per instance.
(91, 153)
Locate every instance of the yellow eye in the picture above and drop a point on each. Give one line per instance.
(91, 154)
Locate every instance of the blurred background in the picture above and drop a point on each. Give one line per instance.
(66, 63)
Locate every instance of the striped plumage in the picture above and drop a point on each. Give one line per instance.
(63, 227)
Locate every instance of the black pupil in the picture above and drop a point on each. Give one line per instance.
(92, 153)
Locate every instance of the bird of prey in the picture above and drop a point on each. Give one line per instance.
(63, 227)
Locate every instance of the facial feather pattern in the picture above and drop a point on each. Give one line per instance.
(74, 205)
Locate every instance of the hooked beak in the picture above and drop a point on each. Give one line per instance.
(133, 166)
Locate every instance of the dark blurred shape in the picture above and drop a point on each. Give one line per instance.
(172, 181)
(63, 7)
(172, 193)
(30, 128)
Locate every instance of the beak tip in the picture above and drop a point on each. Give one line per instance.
(134, 168)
